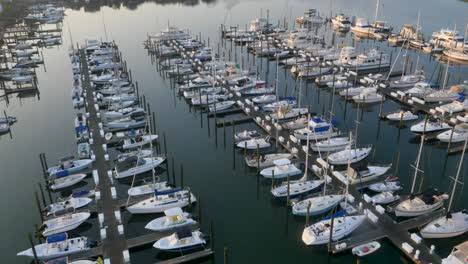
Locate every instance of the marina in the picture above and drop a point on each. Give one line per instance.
(204, 140)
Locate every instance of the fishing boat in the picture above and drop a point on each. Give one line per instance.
(319, 233)
(63, 223)
(173, 218)
(66, 181)
(267, 160)
(458, 255)
(254, 143)
(264, 99)
(366, 249)
(317, 205)
(183, 239)
(341, 22)
(384, 198)
(368, 98)
(148, 188)
(351, 155)
(402, 116)
(134, 165)
(283, 168)
(459, 133)
(362, 174)
(220, 106)
(284, 102)
(69, 204)
(69, 165)
(429, 126)
(331, 144)
(162, 201)
(57, 246)
(138, 141)
(386, 186)
(421, 203)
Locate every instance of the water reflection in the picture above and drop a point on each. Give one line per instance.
(95, 5)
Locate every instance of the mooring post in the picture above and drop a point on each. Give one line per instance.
(38, 203)
(44, 203)
(308, 214)
(258, 158)
(182, 175)
(288, 193)
(225, 255)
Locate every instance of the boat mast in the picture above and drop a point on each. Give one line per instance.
(306, 170)
(446, 73)
(418, 159)
(417, 39)
(458, 174)
(376, 10)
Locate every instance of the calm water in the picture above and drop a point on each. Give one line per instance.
(246, 219)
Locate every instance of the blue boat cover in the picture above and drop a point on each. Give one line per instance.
(166, 192)
(337, 214)
(321, 128)
(81, 128)
(80, 193)
(290, 98)
(57, 238)
(62, 173)
(316, 119)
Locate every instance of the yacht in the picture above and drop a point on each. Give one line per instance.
(310, 17)
(371, 60)
(448, 38)
(318, 129)
(358, 175)
(429, 126)
(341, 22)
(362, 27)
(351, 155)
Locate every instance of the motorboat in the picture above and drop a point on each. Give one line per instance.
(209, 99)
(331, 144)
(288, 113)
(134, 165)
(319, 233)
(10, 120)
(173, 218)
(132, 121)
(4, 128)
(267, 160)
(421, 203)
(220, 106)
(66, 181)
(459, 133)
(341, 22)
(190, 94)
(351, 155)
(458, 255)
(63, 223)
(402, 116)
(368, 98)
(258, 91)
(69, 204)
(318, 129)
(450, 225)
(162, 201)
(354, 91)
(296, 188)
(384, 198)
(362, 174)
(362, 27)
(317, 205)
(148, 188)
(80, 122)
(298, 123)
(116, 98)
(181, 240)
(420, 89)
(68, 166)
(386, 186)
(429, 126)
(57, 246)
(448, 38)
(283, 168)
(138, 141)
(371, 60)
(284, 102)
(407, 81)
(254, 143)
(458, 55)
(453, 107)
(313, 72)
(115, 90)
(246, 135)
(123, 112)
(441, 96)
(366, 249)
(264, 99)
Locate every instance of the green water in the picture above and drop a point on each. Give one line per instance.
(254, 227)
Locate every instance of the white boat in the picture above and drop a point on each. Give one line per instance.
(350, 92)
(368, 98)
(266, 160)
(453, 107)
(457, 134)
(340, 83)
(311, 16)
(123, 112)
(331, 145)
(387, 186)
(220, 106)
(23, 78)
(4, 128)
(134, 165)
(246, 135)
(68, 166)
(69, 204)
(420, 89)
(402, 115)
(429, 126)
(264, 99)
(198, 82)
(115, 90)
(441, 96)
(459, 255)
(296, 188)
(58, 246)
(283, 168)
(209, 99)
(422, 203)
(458, 55)
(366, 249)
(148, 188)
(258, 91)
(285, 102)
(254, 143)
(364, 174)
(362, 27)
(341, 22)
(127, 122)
(318, 205)
(318, 129)
(67, 181)
(349, 155)
(181, 240)
(319, 233)
(288, 113)
(173, 218)
(116, 98)
(138, 141)
(300, 122)
(407, 81)
(371, 60)
(451, 225)
(160, 202)
(63, 223)
(384, 198)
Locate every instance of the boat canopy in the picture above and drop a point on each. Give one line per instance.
(183, 233)
(337, 214)
(428, 195)
(57, 238)
(167, 192)
(282, 162)
(173, 212)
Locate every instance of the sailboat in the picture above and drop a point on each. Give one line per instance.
(319, 233)
(453, 224)
(69, 204)
(163, 200)
(63, 223)
(283, 168)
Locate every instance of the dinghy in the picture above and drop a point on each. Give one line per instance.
(331, 145)
(68, 166)
(384, 198)
(402, 115)
(58, 246)
(66, 181)
(254, 143)
(283, 168)
(133, 166)
(71, 203)
(319, 233)
(173, 218)
(348, 154)
(138, 141)
(181, 240)
(162, 201)
(63, 223)
(318, 205)
(220, 106)
(266, 160)
(366, 249)
(148, 188)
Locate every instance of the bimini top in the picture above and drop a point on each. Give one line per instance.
(57, 238)
(282, 162)
(173, 211)
(183, 233)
